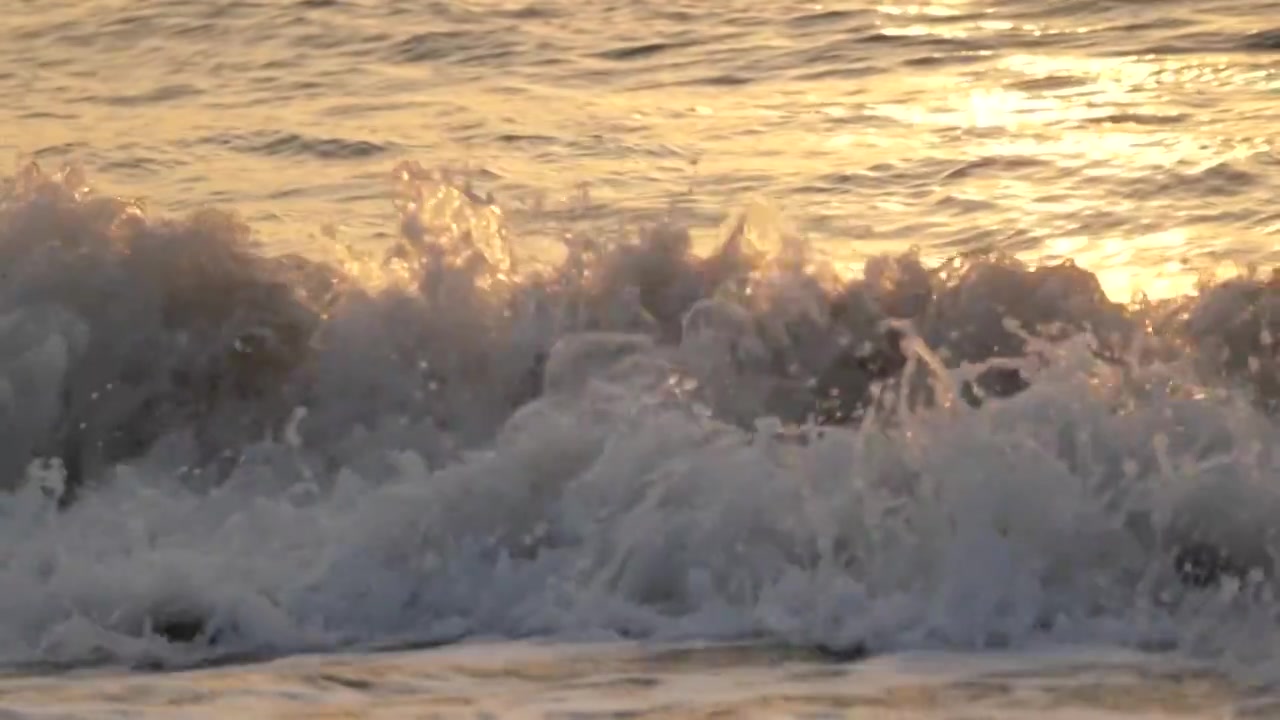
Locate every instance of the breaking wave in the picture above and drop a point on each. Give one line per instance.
(209, 452)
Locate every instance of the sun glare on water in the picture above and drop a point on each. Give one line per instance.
(1115, 118)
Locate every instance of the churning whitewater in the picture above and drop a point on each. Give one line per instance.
(211, 453)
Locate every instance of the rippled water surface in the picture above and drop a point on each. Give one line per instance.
(1134, 136)
(597, 322)
(518, 680)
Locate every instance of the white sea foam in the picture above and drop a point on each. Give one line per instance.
(284, 455)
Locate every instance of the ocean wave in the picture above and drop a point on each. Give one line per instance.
(296, 144)
(207, 450)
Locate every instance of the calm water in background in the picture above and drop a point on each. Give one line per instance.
(1136, 137)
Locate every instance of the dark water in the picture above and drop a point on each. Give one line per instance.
(596, 322)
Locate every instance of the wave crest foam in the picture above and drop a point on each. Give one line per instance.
(262, 454)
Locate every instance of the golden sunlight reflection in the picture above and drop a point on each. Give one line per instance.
(1119, 118)
(1118, 263)
(936, 10)
(965, 127)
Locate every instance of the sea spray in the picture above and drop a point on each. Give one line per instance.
(635, 442)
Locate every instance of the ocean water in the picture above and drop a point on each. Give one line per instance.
(394, 358)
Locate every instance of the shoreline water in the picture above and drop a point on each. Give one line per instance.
(519, 680)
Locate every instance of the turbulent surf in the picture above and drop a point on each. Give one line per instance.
(209, 451)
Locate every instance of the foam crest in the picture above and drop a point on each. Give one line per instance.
(208, 451)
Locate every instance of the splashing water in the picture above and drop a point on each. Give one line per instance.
(208, 452)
